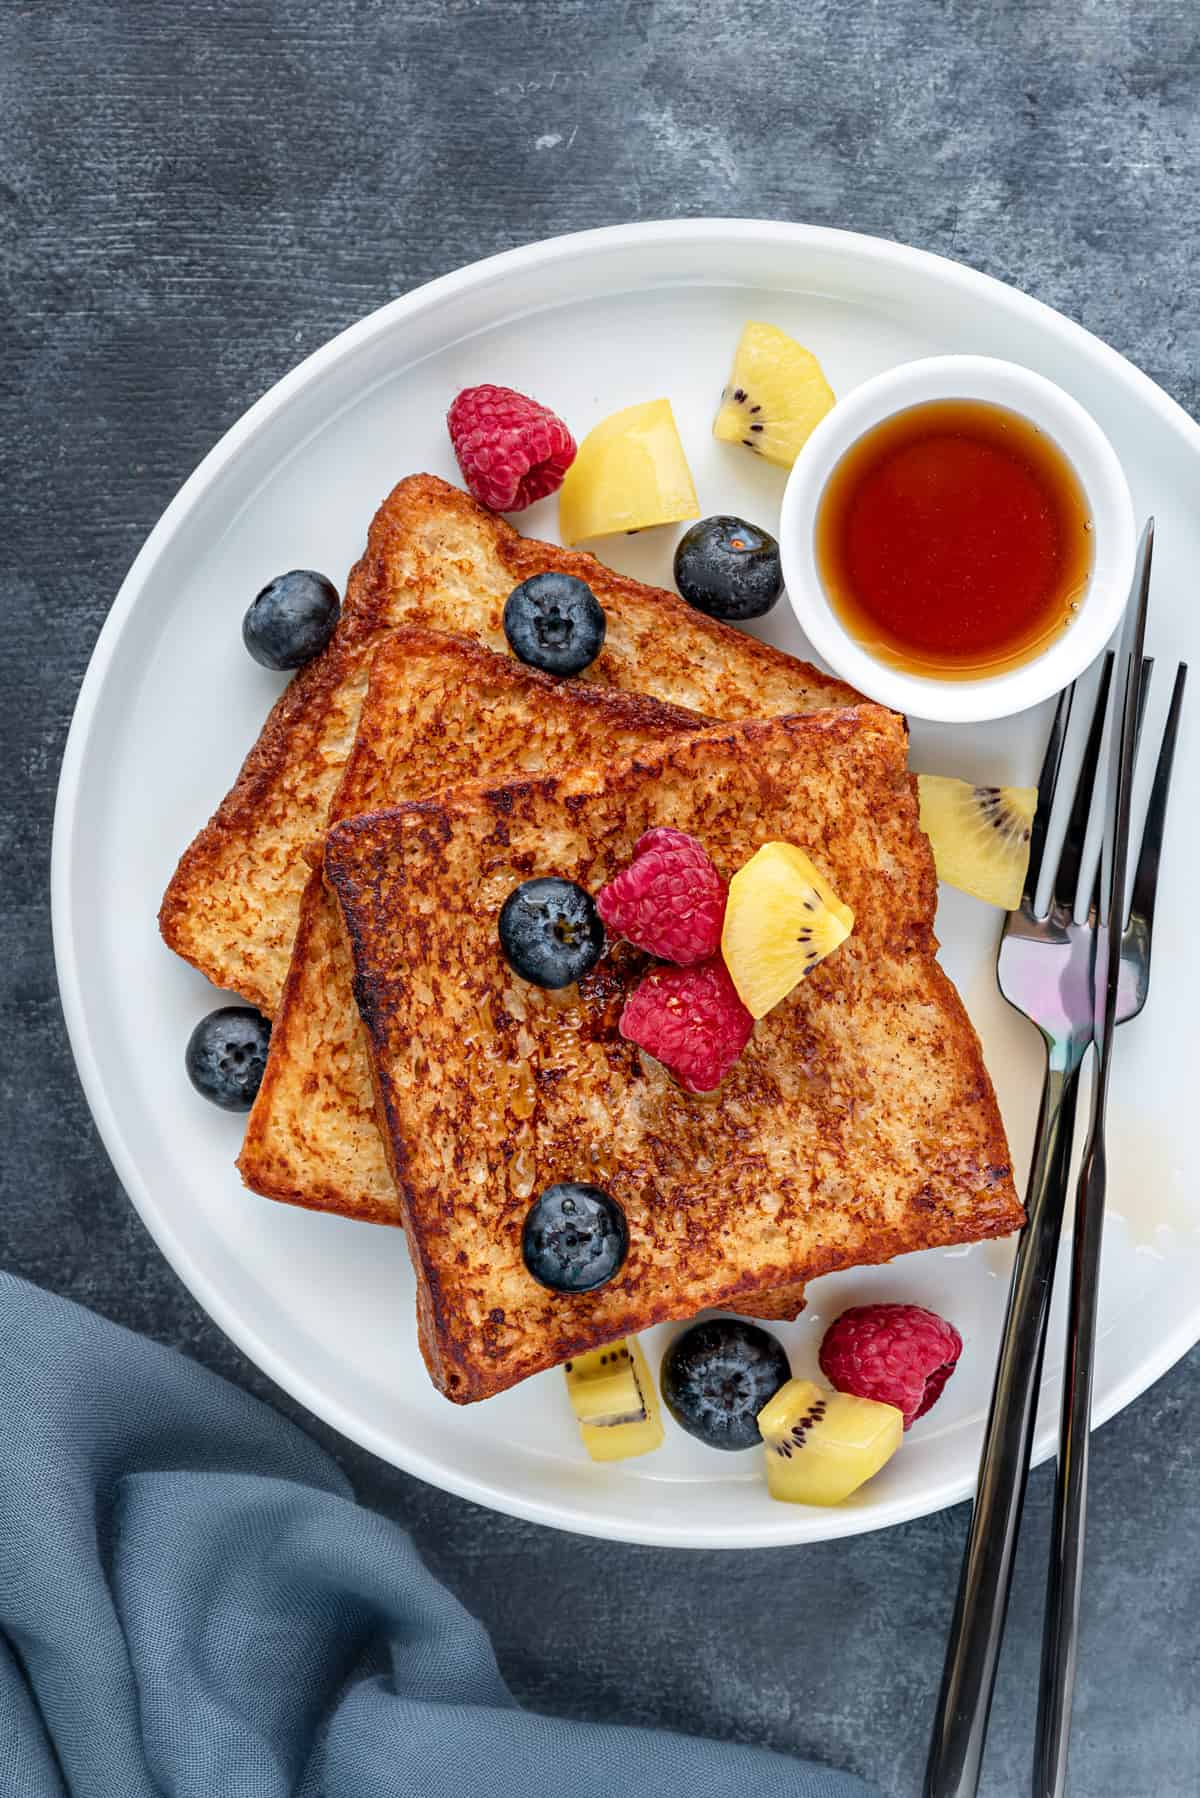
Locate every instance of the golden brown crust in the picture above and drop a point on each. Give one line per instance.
(437, 559)
(232, 904)
(312, 1138)
(783, 1304)
(859, 1124)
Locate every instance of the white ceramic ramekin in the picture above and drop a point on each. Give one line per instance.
(951, 700)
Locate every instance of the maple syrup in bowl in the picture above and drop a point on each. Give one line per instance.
(958, 538)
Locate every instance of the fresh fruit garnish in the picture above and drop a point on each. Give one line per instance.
(292, 619)
(718, 1375)
(613, 1395)
(226, 1056)
(901, 1355)
(575, 1238)
(979, 836)
(630, 473)
(669, 901)
(781, 919)
(776, 395)
(728, 569)
(691, 1020)
(550, 932)
(554, 622)
(512, 450)
(821, 1446)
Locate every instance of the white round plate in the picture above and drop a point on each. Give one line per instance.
(171, 703)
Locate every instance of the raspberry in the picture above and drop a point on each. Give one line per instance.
(901, 1355)
(691, 1020)
(511, 450)
(669, 901)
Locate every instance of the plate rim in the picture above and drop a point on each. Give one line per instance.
(204, 1289)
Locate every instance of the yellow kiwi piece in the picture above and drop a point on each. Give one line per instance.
(979, 836)
(821, 1446)
(614, 1399)
(630, 472)
(781, 919)
(775, 397)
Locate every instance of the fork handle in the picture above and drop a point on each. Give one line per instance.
(1060, 1642)
(969, 1674)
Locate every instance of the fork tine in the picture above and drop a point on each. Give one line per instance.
(1047, 783)
(1143, 700)
(1145, 880)
(1066, 879)
(1144, 679)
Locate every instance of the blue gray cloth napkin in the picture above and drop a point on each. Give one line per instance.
(192, 1605)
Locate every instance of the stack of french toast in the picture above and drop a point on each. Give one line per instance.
(350, 884)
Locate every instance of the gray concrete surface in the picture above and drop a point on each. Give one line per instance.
(191, 197)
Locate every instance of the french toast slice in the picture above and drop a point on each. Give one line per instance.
(436, 558)
(440, 711)
(858, 1124)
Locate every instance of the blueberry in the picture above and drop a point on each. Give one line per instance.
(717, 1377)
(728, 568)
(554, 622)
(575, 1238)
(226, 1055)
(292, 619)
(550, 932)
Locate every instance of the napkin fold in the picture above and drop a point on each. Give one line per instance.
(192, 1605)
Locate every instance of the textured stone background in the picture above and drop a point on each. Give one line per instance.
(192, 197)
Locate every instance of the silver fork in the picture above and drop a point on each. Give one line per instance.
(1044, 969)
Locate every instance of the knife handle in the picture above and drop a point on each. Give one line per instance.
(969, 1673)
(1060, 1641)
